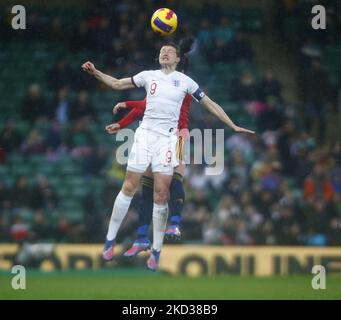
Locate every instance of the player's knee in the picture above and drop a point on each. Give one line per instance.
(160, 196)
(129, 188)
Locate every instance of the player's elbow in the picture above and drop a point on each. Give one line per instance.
(116, 85)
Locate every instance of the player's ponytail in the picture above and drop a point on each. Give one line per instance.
(185, 47)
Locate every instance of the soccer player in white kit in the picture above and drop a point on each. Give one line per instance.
(155, 140)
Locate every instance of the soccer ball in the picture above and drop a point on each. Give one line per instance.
(164, 21)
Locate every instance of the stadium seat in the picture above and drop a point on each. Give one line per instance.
(4, 170)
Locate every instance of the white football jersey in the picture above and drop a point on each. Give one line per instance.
(165, 93)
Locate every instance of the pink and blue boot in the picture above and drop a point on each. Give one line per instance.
(153, 261)
(108, 251)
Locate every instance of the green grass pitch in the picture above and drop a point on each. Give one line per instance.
(141, 284)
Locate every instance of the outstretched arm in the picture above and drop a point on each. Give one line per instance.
(116, 84)
(130, 104)
(138, 108)
(132, 116)
(218, 111)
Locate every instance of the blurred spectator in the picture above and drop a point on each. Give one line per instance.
(93, 220)
(34, 105)
(37, 29)
(334, 232)
(224, 31)
(336, 153)
(336, 180)
(271, 181)
(227, 207)
(270, 86)
(81, 40)
(242, 143)
(34, 144)
(82, 107)
(286, 135)
(19, 231)
(10, 138)
(253, 218)
(218, 52)
(245, 90)
(4, 236)
(194, 220)
(316, 222)
(57, 31)
(234, 185)
(197, 180)
(2, 155)
(265, 234)
(318, 185)
(198, 200)
(102, 36)
(40, 227)
(243, 236)
(239, 167)
(95, 161)
(5, 197)
(286, 227)
(263, 200)
(60, 108)
(63, 230)
(304, 166)
(271, 118)
(205, 34)
(239, 50)
(212, 10)
(44, 195)
(80, 139)
(60, 76)
(54, 139)
(21, 194)
(317, 92)
(212, 233)
(309, 51)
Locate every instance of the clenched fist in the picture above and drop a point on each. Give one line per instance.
(113, 128)
(89, 67)
(120, 105)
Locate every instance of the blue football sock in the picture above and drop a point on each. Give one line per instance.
(142, 231)
(177, 198)
(146, 207)
(175, 220)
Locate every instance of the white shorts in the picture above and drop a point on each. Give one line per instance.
(155, 149)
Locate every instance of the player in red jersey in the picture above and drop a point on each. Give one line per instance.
(177, 193)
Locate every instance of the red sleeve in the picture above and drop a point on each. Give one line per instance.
(141, 104)
(183, 119)
(138, 108)
(132, 116)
